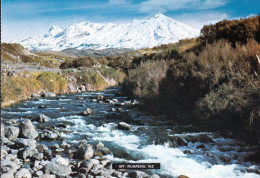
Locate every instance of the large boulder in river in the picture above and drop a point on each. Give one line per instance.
(123, 126)
(56, 169)
(11, 132)
(27, 130)
(23, 173)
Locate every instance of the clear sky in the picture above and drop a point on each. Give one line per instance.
(25, 18)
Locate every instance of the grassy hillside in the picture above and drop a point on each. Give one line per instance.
(17, 53)
(211, 81)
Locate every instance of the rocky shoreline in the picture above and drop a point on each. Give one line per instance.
(24, 155)
(32, 148)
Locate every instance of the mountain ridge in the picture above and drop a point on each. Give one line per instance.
(136, 34)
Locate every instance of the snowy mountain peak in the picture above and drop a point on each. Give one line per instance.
(160, 16)
(155, 31)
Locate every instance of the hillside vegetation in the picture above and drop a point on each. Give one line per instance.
(212, 81)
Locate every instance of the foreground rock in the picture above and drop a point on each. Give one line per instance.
(11, 132)
(27, 130)
(22, 173)
(56, 169)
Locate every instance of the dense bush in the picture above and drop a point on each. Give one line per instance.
(53, 82)
(92, 77)
(80, 62)
(217, 88)
(112, 73)
(233, 30)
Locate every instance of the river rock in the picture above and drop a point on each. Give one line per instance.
(11, 132)
(65, 145)
(27, 130)
(88, 111)
(84, 153)
(38, 173)
(3, 153)
(72, 89)
(115, 100)
(35, 95)
(6, 165)
(42, 106)
(104, 150)
(82, 88)
(154, 176)
(27, 152)
(100, 97)
(22, 142)
(47, 176)
(123, 126)
(2, 130)
(56, 169)
(42, 118)
(89, 163)
(138, 174)
(23, 173)
(60, 161)
(48, 94)
(42, 148)
(7, 175)
(100, 144)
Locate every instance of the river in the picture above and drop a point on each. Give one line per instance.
(181, 150)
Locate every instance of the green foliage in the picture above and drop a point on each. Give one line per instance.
(53, 82)
(92, 77)
(80, 62)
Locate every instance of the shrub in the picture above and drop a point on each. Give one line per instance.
(80, 62)
(143, 82)
(110, 72)
(92, 77)
(53, 82)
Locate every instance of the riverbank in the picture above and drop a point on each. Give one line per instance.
(24, 83)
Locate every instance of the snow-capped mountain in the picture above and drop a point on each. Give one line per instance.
(155, 31)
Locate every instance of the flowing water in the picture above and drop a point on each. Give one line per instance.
(181, 150)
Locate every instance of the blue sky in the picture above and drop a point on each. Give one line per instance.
(25, 18)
